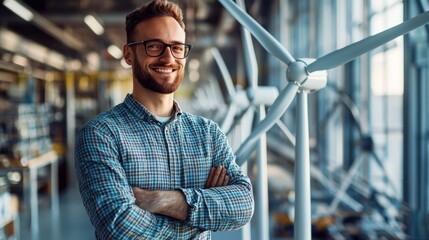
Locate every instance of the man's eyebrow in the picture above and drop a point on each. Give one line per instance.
(178, 42)
(171, 42)
(175, 42)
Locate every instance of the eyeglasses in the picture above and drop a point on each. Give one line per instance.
(155, 48)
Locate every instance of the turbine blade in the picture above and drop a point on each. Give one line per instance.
(263, 36)
(276, 110)
(251, 63)
(346, 54)
(226, 77)
(228, 119)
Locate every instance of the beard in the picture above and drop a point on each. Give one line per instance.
(147, 80)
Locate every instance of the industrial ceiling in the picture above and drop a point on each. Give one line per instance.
(59, 25)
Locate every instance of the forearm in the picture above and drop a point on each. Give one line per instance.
(169, 203)
(221, 208)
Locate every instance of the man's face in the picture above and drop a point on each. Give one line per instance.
(162, 74)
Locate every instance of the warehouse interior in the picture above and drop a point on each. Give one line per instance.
(61, 64)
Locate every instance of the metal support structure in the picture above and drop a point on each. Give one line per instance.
(302, 171)
(416, 137)
(31, 193)
(262, 184)
(34, 206)
(416, 130)
(71, 127)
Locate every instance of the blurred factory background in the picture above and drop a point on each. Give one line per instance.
(61, 64)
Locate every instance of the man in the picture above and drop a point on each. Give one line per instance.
(147, 170)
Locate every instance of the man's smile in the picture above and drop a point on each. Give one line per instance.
(163, 70)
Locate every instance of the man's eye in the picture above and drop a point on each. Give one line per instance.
(154, 46)
(177, 48)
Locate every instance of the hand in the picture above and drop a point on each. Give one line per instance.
(217, 177)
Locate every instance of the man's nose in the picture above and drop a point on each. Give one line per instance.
(167, 54)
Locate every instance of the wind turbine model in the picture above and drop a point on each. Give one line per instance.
(304, 76)
(365, 143)
(242, 102)
(387, 211)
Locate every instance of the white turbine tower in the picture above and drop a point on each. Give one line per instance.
(304, 76)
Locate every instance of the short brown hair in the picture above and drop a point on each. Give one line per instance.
(155, 8)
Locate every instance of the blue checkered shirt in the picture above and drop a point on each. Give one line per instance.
(126, 147)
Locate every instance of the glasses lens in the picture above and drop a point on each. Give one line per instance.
(179, 50)
(154, 48)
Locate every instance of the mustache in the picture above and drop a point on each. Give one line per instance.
(160, 64)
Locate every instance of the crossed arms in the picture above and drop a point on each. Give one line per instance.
(173, 203)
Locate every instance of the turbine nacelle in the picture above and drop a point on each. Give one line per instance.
(263, 95)
(307, 81)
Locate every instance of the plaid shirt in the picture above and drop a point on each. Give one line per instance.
(126, 146)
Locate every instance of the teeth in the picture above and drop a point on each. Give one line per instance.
(164, 70)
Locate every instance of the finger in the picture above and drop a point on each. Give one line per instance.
(210, 177)
(221, 178)
(216, 175)
(225, 181)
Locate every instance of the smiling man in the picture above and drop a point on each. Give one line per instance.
(145, 168)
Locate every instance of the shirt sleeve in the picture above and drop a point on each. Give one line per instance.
(221, 208)
(106, 194)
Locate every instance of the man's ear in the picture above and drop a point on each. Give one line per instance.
(126, 50)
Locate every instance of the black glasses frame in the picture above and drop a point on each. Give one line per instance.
(187, 47)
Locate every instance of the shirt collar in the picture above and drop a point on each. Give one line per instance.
(141, 112)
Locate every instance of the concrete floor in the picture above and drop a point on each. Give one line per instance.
(73, 222)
